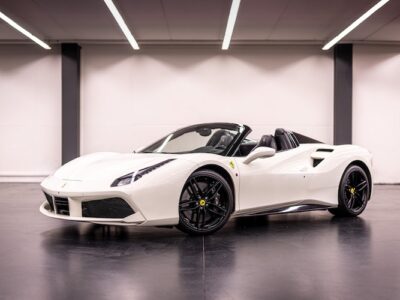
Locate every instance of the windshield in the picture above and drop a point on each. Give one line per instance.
(217, 138)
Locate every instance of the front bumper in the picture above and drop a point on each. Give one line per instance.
(72, 208)
(134, 219)
(74, 193)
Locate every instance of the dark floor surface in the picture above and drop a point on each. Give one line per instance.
(298, 256)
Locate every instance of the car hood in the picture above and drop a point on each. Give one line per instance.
(107, 166)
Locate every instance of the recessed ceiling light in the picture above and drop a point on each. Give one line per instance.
(122, 24)
(355, 24)
(231, 24)
(23, 31)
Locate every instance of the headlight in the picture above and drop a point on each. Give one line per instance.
(132, 177)
(124, 180)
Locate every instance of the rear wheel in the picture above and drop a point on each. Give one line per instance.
(206, 203)
(353, 192)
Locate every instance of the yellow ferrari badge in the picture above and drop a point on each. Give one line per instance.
(232, 164)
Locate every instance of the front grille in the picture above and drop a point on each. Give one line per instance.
(106, 208)
(62, 206)
(50, 201)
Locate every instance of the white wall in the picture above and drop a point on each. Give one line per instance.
(30, 112)
(129, 98)
(376, 107)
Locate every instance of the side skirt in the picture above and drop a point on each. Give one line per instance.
(284, 208)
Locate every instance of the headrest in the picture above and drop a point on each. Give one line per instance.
(280, 131)
(267, 141)
(216, 137)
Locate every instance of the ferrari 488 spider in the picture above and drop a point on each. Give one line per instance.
(197, 177)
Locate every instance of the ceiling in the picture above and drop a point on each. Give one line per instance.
(201, 21)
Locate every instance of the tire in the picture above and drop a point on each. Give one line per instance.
(353, 192)
(206, 203)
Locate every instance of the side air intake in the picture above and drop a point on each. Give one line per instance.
(319, 155)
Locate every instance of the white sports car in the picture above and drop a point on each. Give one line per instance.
(197, 177)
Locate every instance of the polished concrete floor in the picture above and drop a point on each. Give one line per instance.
(297, 256)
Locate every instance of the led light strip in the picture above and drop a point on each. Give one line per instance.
(357, 22)
(231, 24)
(24, 31)
(122, 24)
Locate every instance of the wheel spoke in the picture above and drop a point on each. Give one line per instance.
(210, 188)
(217, 206)
(194, 213)
(350, 203)
(212, 192)
(192, 189)
(195, 187)
(215, 212)
(187, 206)
(189, 190)
(356, 199)
(203, 217)
(362, 185)
(216, 209)
(187, 201)
(197, 222)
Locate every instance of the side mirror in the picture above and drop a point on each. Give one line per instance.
(259, 152)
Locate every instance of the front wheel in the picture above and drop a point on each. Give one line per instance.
(353, 192)
(206, 203)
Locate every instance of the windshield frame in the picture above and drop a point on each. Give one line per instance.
(243, 131)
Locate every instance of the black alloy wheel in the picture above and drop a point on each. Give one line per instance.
(206, 203)
(354, 191)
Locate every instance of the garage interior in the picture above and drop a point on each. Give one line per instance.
(92, 91)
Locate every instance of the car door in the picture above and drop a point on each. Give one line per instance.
(278, 179)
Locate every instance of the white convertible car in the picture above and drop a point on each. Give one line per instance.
(197, 177)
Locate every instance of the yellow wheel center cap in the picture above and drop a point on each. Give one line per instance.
(202, 202)
(352, 190)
